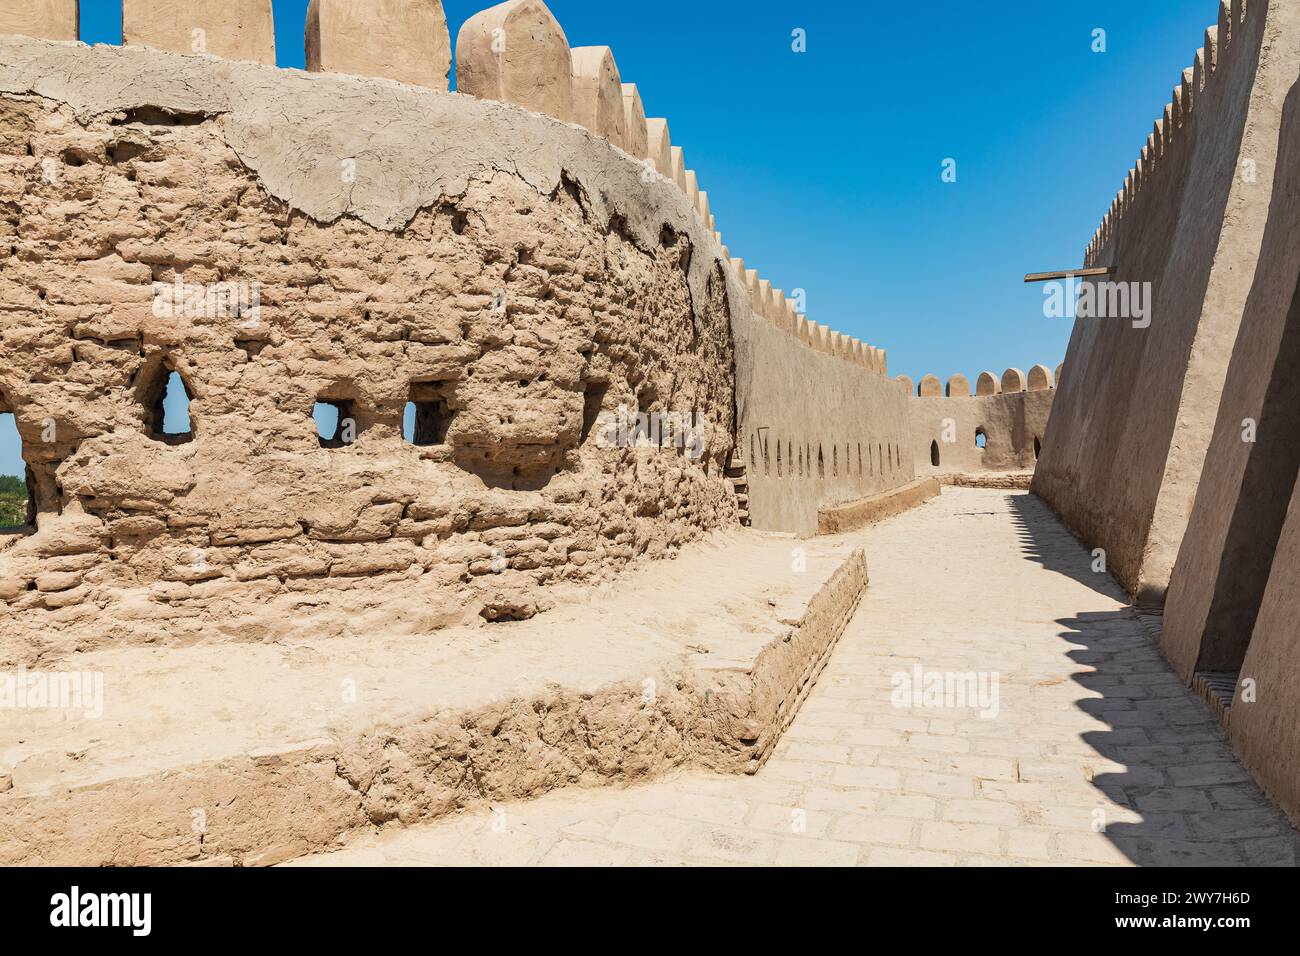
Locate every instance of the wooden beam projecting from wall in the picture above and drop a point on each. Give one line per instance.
(1067, 274)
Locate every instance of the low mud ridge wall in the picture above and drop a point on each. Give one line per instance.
(259, 243)
(610, 692)
(814, 431)
(868, 511)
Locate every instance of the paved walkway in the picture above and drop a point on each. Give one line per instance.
(1091, 753)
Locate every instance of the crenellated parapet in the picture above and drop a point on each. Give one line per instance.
(515, 52)
(1040, 378)
(1166, 136)
(998, 428)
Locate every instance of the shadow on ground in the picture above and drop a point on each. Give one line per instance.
(1046, 541)
(1170, 791)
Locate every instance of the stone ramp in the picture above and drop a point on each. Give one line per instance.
(253, 754)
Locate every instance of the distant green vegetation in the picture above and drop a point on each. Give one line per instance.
(13, 501)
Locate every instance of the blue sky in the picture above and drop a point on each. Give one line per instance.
(824, 168)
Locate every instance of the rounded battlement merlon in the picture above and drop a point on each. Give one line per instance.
(929, 387)
(659, 147)
(43, 19)
(516, 52)
(823, 339)
(803, 331)
(598, 94)
(814, 336)
(780, 310)
(987, 384)
(1190, 93)
(678, 167)
(233, 29)
(403, 40)
(636, 134)
(692, 187)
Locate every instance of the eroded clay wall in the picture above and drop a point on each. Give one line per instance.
(1264, 722)
(813, 430)
(1250, 468)
(1134, 416)
(948, 426)
(515, 273)
(323, 238)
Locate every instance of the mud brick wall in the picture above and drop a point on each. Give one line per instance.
(1010, 412)
(1132, 421)
(521, 280)
(479, 254)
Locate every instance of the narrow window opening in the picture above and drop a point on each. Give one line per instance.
(17, 497)
(981, 439)
(821, 463)
(934, 454)
(336, 425)
(426, 423)
(167, 407)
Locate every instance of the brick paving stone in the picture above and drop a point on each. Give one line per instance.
(1091, 728)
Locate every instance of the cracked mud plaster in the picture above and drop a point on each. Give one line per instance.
(413, 147)
(196, 169)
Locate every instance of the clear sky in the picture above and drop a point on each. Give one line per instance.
(823, 168)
